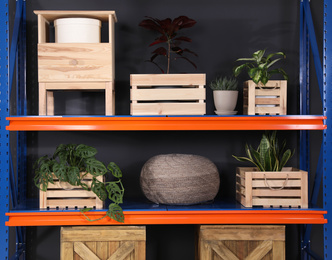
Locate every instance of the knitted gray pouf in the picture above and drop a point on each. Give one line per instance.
(180, 179)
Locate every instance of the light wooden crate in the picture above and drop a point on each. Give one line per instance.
(270, 100)
(167, 94)
(288, 188)
(103, 242)
(225, 242)
(74, 197)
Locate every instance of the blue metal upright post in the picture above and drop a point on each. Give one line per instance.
(327, 138)
(4, 135)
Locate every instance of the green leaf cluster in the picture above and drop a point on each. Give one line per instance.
(224, 83)
(259, 67)
(71, 163)
(269, 155)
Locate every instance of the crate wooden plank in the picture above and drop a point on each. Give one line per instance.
(168, 109)
(167, 94)
(167, 79)
(286, 188)
(68, 62)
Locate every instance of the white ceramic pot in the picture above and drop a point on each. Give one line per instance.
(77, 30)
(225, 100)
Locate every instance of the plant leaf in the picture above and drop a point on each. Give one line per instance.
(95, 167)
(85, 151)
(115, 193)
(115, 170)
(286, 156)
(182, 38)
(115, 212)
(99, 189)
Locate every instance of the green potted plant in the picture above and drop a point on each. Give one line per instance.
(270, 183)
(261, 94)
(185, 94)
(74, 167)
(225, 94)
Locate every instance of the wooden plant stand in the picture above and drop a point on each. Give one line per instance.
(74, 66)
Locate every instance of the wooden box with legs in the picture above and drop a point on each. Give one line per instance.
(74, 66)
(103, 242)
(238, 242)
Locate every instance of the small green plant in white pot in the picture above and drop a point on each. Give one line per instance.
(225, 95)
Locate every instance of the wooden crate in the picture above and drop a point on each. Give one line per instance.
(167, 94)
(75, 197)
(288, 188)
(270, 100)
(239, 242)
(103, 243)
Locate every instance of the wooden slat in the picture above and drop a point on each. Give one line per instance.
(67, 251)
(51, 15)
(238, 233)
(276, 202)
(276, 193)
(84, 252)
(278, 250)
(222, 251)
(123, 251)
(167, 94)
(259, 252)
(105, 234)
(67, 62)
(70, 194)
(167, 79)
(63, 203)
(168, 109)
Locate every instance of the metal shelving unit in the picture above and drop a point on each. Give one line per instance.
(11, 179)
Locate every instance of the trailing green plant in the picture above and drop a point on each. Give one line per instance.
(224, 83)
(71, 163)
(259, 67)
(169, 29)
(268, 156)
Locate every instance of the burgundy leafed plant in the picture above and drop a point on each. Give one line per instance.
(168, 29)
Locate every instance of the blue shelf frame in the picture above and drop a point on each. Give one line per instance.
(12, 59)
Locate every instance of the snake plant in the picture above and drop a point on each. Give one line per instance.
(268, 156)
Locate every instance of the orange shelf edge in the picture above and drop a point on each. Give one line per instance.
(132, 123)
(171, 217)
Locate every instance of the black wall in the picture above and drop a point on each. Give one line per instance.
(225, 31)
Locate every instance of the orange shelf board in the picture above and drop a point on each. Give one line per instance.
(171, 217)
(133, 123)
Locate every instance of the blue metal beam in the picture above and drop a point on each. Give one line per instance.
(327, 135)
(4, 135)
